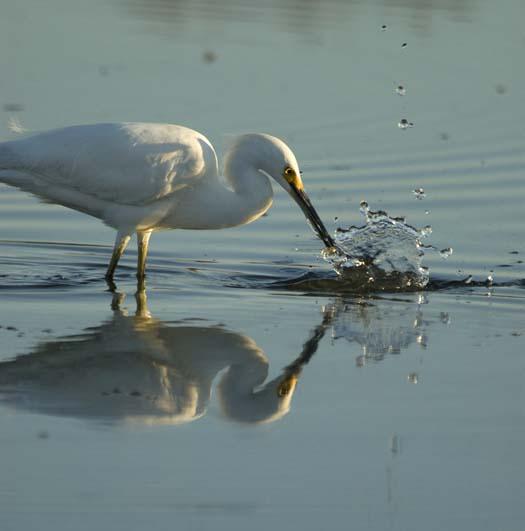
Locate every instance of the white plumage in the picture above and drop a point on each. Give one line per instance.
(140, 177)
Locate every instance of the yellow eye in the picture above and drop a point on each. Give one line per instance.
(292, 178)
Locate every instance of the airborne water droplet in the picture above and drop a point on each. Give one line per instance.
(419, 193)
(445, 253)
(401, 90)
(405, 124)
(490, 278)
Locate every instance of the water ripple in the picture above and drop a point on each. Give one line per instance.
(64, 266)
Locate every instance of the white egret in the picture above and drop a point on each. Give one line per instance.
(142, 177)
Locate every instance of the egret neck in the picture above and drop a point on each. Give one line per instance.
(226, 201)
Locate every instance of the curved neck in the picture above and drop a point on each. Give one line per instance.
(241, 196)
(252, 191)
(244, 398)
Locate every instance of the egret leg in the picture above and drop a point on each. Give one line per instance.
(142, 243)
(121, 242)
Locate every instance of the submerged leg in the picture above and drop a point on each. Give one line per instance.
(121, 242)
(142, 243)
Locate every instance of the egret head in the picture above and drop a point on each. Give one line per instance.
(274, 158)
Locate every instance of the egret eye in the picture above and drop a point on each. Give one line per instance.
(289, 174)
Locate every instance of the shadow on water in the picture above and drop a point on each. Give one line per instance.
(138, 369)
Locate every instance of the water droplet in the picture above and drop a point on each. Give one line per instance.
(405, 124)
(446, 252)
(425, 231)
(419, 193)
(490, 278)
(383, 27)
(401, 90)
(427, 212)
(413, 378)
(404, 45)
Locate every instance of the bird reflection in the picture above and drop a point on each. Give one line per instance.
(136, 368)
(140, 369)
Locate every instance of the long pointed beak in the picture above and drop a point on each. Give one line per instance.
(311, 215)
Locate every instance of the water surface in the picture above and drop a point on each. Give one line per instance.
(249, 389)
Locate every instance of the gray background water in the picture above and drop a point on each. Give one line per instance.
(410, 413)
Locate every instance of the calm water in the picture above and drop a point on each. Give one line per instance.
(248, 388)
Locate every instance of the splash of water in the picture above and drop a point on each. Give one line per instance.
(384, 254)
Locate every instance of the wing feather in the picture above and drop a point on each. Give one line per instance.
(123, 163)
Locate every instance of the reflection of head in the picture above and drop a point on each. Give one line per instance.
(272, 401)
(241, 403)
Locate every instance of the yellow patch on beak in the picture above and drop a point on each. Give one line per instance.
(287, 385)
(293, 179)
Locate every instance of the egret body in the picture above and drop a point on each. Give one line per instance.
(141, 177)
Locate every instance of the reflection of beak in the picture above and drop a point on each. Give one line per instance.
(311, 215)
(287, 385)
